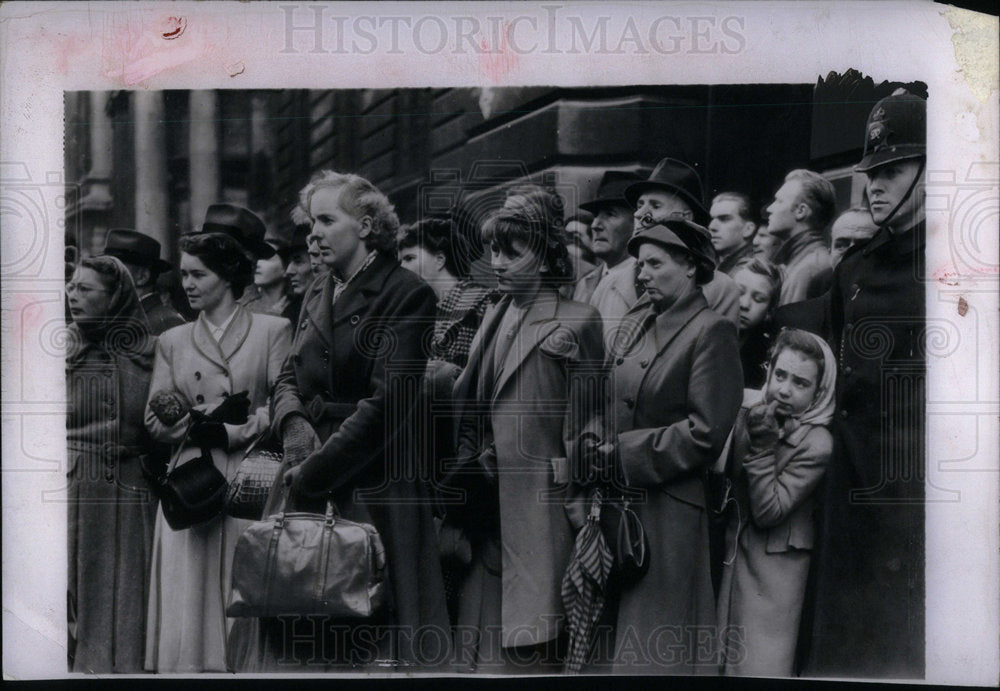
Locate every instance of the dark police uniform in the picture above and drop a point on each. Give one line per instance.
(869, 607)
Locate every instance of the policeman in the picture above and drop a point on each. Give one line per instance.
(869, 607)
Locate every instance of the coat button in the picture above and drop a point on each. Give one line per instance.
(197, 375)
(326, 355)
(843, 414)
(644, 364)
(619, 361)
(199, 399)
(355, 319)
(848, 369)
(630, 402)
(225, 373)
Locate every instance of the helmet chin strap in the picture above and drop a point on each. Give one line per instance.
(909, 193)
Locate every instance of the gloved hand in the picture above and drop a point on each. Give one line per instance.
(210, 435)
(763, 427)
(169, 407)
(234, 410)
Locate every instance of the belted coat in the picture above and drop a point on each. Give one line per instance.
(354, 373)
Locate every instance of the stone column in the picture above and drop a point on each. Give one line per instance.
(204, 154)
(151, 194)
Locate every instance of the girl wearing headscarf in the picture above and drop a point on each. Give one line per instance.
(781, 447)
(111, 510)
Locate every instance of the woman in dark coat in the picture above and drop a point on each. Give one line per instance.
(111, 510)
(676, 388)
(343, 408)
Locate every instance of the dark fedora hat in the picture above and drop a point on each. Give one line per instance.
(677, 178)
(896, 131)
(295, 240)
(611, 191)
(683, 234)
(133, 247)
(241, 224)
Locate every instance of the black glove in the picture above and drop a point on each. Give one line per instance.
(234, 410)
(210, 435)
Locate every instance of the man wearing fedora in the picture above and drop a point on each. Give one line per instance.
(869, 613)
(802, 210)
(673, 190)
(611, 286)
(141, 255)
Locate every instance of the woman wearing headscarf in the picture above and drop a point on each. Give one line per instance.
(781, 448)
(518, 402)
(343, 406)
(111, 509)
(226, 359)
(675, 391)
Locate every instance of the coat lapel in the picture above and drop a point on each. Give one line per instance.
(205, 344)
(538, 323)
(236, 333)
(671, 322)
(484, 337)
(360, 291)
(319, 308)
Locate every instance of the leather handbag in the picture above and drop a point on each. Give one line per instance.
(192, 492)
(298, 563)
(254, 478)
(626, 539)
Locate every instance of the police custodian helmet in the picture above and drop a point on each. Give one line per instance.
(897, 130)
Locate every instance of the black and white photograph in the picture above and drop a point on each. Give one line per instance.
(492, 366)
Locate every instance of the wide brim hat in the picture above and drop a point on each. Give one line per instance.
(133, 247)
(694, 239)
(242, 225)
(611, 191)
(677, 178)
(296, 240)
(896, 131)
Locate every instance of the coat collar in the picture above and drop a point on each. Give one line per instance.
(666, 325)
(319, 296)
(902, 244)
(538, 323)
(795, 247)
(232, 339)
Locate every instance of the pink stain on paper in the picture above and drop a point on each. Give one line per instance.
(500, 61)
(139, 47)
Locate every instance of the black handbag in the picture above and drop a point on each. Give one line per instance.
(300, 563)
(191, 493)
(626, 539)
(247, 493)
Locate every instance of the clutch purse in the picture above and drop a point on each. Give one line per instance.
(626, 539)
(255, 476)
(302, 563)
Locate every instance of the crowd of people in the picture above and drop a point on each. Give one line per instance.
(722, 367)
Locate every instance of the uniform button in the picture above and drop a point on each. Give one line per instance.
(619, 361)
(848, 369)
(849, 327)
(630, 402)
(355, 319)
(843, 414)
(199, 399)
(326, 354)
(197, 375)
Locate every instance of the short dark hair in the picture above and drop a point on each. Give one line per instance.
(801, 342)
(222, 255)
(529, 225)
(744, 208)
(438, 235)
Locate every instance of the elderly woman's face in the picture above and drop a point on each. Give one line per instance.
(338, 234)
(88, 296)
(665, 278)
